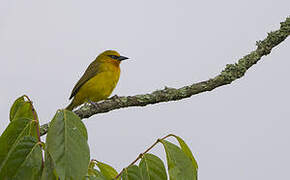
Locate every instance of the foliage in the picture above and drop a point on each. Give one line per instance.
(67, 156)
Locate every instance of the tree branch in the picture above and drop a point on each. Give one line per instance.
(228, 75)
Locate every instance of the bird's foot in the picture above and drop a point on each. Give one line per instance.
(96, 105)
(114, 97)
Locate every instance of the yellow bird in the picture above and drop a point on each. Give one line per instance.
(98, 81)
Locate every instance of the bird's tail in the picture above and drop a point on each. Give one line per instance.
(71, 106)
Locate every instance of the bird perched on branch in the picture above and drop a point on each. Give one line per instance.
(98, 81)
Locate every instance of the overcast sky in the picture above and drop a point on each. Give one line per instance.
(239, 131)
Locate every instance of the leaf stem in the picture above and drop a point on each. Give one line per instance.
(37, 124)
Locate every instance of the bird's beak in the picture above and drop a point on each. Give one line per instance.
(121, 58)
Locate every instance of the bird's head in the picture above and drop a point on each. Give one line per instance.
(111, 56)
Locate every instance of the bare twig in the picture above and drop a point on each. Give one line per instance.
(227, 76)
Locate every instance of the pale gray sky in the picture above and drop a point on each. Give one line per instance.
(239, 131)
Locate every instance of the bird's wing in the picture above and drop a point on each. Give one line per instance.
(91, 71)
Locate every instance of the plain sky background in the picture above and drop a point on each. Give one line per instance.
(239, 131)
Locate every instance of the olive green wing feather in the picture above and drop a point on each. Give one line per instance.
(90, 72)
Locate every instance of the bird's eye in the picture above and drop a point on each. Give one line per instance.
(113, 56)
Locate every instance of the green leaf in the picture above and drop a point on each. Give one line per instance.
(95, 177)
(91, 169)
(21, 109)
(67, 145)
(187, 151)
(180, 166)
(98, 174)
(12, 135)
(132, 173)
(91, 178)
(24, 162)
(108, 171)
(152, 168)
(48, 170)
(16, 105)
(94, 174)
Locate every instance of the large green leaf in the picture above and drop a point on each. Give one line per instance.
(21, 109)
(132, 173)
(24, 162)
(12, 135)
(180, 166)
(108, 171)
(152, 168)
(67, 145)
(186, 150)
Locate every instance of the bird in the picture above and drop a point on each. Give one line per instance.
(98, 81)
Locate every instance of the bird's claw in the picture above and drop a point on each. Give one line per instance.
(96, 105)
(114, 97)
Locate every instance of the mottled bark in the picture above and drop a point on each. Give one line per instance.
(228, 75)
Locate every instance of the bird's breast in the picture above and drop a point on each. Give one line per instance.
(102, 84)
